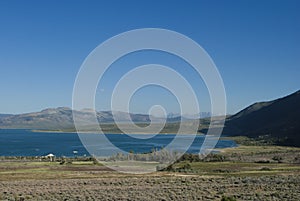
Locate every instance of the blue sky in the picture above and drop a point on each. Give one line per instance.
(255, 45)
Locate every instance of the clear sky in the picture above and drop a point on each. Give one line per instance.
(255, 45)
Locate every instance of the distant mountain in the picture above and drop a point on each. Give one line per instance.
(190, 116)
(62, 118)
(5, 115)
(47, 119)
(205, 114)
(279, 119)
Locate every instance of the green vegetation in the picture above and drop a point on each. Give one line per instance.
(242, 160)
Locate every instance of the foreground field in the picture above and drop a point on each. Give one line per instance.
(160, 186)
(243, 173)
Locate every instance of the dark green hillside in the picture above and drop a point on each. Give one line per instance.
(278, 119)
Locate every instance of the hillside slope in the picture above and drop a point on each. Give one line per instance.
(279, 119)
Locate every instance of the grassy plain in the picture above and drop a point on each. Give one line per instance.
(242, 173)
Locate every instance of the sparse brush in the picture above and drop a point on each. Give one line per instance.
(228, 198)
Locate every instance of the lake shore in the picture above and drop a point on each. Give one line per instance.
(64, 144)
(95, 132)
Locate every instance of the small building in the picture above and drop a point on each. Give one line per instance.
(50, 156)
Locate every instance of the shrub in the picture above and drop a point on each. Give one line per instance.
(265, 169)
(277, 158)
(96, 162)
(228, 198)
(215, 158)
(187, 166)
(262, 161)
(69, 162)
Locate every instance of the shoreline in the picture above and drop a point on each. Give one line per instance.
(113, 133)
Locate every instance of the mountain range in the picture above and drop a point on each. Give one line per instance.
(278, 119)
(62, 118)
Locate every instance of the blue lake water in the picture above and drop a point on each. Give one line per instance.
(28, 143)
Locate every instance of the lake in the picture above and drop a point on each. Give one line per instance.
(15, 142)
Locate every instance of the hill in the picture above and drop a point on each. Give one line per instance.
(5, 115)
(278, 120)
(61, 118)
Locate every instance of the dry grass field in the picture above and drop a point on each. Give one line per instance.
(247, 173)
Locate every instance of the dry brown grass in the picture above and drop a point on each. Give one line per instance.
(82, 180)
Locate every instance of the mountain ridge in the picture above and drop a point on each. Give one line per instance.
(62, 118)
(279, 119)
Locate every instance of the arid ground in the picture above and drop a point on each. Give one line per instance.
(243, 173)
